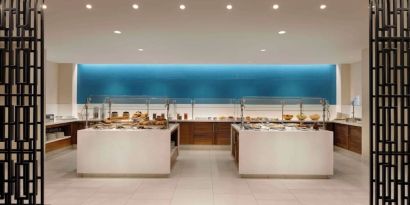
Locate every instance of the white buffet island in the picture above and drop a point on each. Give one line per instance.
(290, 153)
(127, 152)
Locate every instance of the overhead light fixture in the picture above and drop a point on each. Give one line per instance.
(282, 32)
(44, 6)
(89, 6)
(229, 6)
(135, 6)
(323, 6)
(117, 32)
(263, 50)
(140, 49)
(275, 6)
(182, 7)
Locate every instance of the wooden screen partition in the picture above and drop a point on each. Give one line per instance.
(21, 102)
(389, 101)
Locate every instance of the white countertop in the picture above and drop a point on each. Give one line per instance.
(171, 128)
(238, 128)
(57, 122)
(343, 122)
(204, 120)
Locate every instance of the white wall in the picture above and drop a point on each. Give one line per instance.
(356, 85)
(365, 104)
(65, 89)
(60, 89)
(51, 87)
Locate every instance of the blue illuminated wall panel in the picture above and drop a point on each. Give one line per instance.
(207, 81)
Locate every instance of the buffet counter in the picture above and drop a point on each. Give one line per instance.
(127, 152)
(289, 153)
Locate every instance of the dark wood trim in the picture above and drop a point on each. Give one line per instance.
(58, 145)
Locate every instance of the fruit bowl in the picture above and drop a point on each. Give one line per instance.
(287, 117)
(301, 117)
(314, 117)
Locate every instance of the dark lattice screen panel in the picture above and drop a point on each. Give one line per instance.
(389, 101)
(21, 102)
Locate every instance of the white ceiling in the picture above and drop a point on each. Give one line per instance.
(206, 32)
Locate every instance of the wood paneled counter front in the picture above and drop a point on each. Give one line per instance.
(347, 136)
(205, 132)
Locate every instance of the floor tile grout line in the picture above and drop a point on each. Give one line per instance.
(212, 182)
(347, 174)
(253, 194)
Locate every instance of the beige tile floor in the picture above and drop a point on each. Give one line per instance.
(205, 177)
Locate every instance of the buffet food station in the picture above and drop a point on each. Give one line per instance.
(271, 136)
(138, 142)
(283, 147)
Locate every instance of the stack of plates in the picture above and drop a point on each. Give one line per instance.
(59, 135)
(51, 136)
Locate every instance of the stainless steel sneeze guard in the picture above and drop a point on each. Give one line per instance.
(21, 102)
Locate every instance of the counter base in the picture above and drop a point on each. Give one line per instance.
(84, 175)
(278, 176)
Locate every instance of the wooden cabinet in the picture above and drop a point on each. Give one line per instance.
(75, 126)
(62, 142)
(222, 133)
(235, 146)
(341, 134)
(205, 133)
(348, 137)
(186, 133)
(355, 139)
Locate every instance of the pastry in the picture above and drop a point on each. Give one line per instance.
(301, 117)
(287, 117)
(136, 114)
(160, 118)
(144, 116)
(314, 117)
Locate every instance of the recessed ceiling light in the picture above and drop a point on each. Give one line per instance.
(263, 50)
(44, 6)
(323, 6)
(229, 6)
(282, 32)
(117, 32)
(135, 6)
(140, 49)
(182, 7)
(89, 6)
(275, 6)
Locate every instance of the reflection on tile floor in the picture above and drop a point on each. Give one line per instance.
(205, 177)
